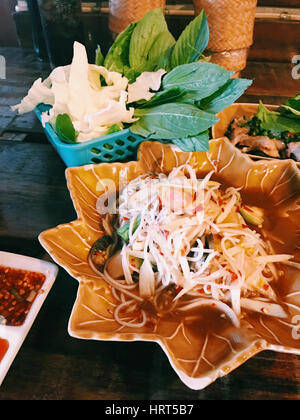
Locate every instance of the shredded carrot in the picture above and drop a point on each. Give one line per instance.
(178, 289)
(160, 203)
(247, 209)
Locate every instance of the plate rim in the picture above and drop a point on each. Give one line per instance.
(17, 335)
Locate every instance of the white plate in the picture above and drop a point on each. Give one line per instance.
(16, 335)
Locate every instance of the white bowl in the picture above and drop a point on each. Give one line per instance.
(16, 335)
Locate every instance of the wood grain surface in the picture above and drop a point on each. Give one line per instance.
(53, 366)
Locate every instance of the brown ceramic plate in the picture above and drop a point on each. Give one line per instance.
(199, 352)
(239, 110)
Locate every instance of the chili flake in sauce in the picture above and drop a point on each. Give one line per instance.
(18, 290)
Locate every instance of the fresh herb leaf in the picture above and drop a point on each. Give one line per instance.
(174, 120)
(159, 54)
(99, 57)
(192, 42)
(114, 129)
(117, 58)
(274, 121)
(65, 129)
(291, 111)
(143, 37)
(163, 97)
(200, 80)
(164, 61)
(225, 96)
(198, 143)
(294, 102)
(255, 129)
(292, 107)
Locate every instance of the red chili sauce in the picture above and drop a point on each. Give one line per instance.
(3, 348)
(18, 290)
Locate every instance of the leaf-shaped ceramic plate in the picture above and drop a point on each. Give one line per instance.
(238, 110)
(200, 352)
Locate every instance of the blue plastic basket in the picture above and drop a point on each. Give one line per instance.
(115, 147)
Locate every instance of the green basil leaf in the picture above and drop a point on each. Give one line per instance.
(99, 57)
(65, 129)
(164, 61)
(292, 107)
(170, 121)
(292, 112)
(164, 97)
(200, 79)
(159, 54)
(294, 102)
(192, 42)
(143, 37)
(117, 58)
(114, 129)
(198, 143)
(225, 96)
(131, 74)
(276, 122)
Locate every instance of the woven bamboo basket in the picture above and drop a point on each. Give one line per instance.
(124, 12)
(235, 60)
(231, 23)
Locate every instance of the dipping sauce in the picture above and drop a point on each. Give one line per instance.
(3, 348)
(18, 290)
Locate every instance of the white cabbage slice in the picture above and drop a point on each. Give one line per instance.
(77, 90)
(115, 82)
(147, 280)
(141, 88)
(40, 92)
(59, 86)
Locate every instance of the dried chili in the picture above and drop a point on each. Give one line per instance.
(18, 290)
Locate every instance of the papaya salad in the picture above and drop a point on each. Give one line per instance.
(181, 243)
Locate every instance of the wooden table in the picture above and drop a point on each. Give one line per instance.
(53, 366)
